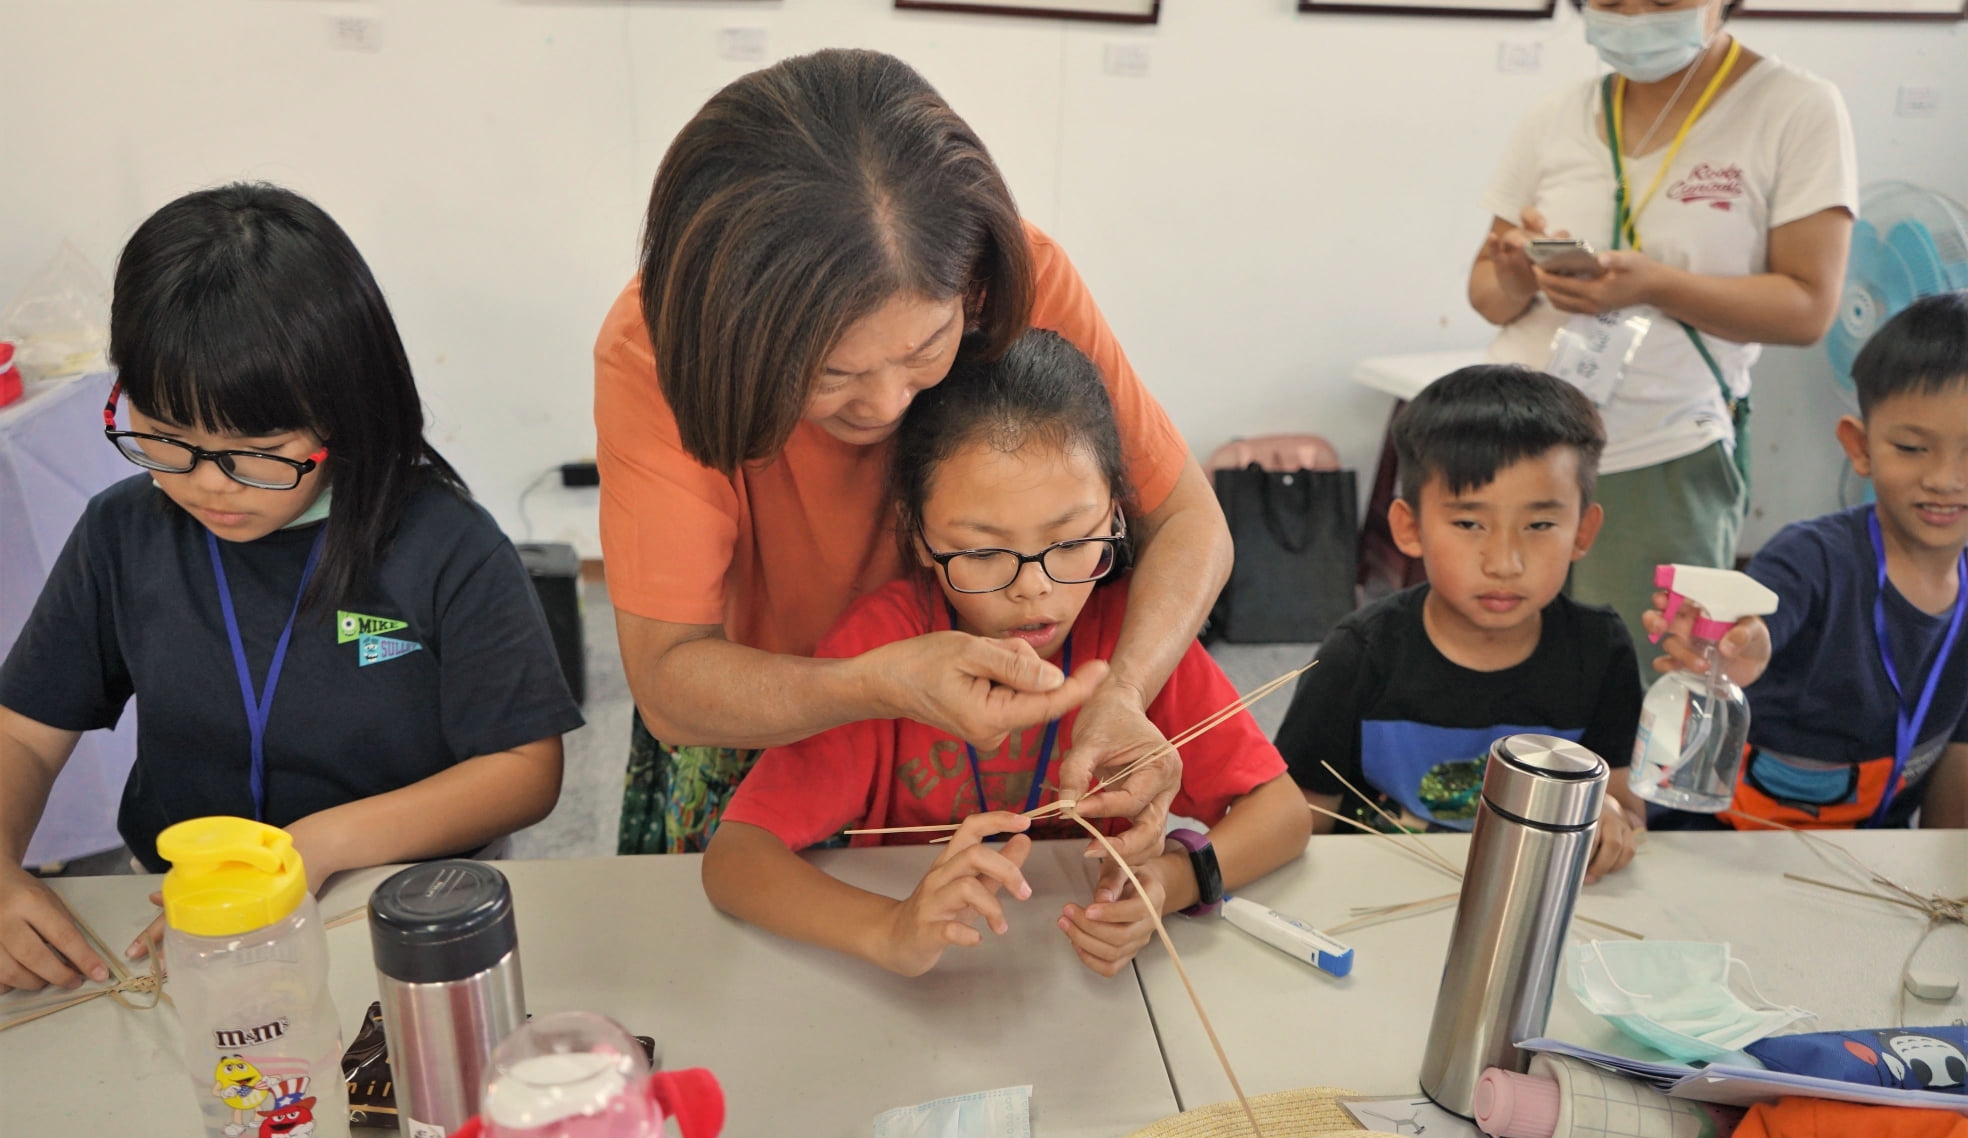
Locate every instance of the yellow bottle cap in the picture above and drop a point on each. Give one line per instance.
(229, 876)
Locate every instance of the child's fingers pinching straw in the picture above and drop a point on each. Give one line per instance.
(964, 880)
(1002, 867)
(1068, 801)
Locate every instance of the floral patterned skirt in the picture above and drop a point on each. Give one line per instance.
(673, 797)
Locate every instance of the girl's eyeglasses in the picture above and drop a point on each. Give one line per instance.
(246, 467)
(1074, 562)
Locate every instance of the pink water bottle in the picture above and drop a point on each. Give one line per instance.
(581, 1075)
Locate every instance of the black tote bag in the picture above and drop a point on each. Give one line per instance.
(1297, 545)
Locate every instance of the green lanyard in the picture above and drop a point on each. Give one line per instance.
(1624, 211)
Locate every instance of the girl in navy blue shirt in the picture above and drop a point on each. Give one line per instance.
(324, 631)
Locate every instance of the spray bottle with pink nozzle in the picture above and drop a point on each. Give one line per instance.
(1693, 725)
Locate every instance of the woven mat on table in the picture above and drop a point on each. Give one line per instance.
(1286, 1114)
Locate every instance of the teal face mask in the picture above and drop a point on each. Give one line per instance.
(1650, 47)
(1675, 996)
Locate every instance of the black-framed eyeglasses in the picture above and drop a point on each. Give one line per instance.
(170, 456)
(1073, 562)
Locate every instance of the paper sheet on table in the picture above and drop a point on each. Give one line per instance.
(1408, 1114)
(1659, 1075)
(1742, 1086)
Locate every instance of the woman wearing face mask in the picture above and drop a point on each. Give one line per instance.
(1720, 213)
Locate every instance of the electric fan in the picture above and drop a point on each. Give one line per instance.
(1907, 243)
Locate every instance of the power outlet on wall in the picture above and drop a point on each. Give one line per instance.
(742, 45)
(356, 33)
(1918, 101)
(1125, 60)
(1520, 57)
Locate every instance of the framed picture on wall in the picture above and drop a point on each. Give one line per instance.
(1526, 9)
(1111, 11)
(1855, 9)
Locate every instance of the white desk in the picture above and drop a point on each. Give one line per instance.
(1403, 377)
(805, 1042)
(1286, 1025)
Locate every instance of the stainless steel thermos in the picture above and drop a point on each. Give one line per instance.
(447, 963)
(1527, 854)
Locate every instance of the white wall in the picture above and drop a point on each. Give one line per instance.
(1280, 196)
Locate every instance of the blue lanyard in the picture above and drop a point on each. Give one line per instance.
(260, 706)
(1045, 747)
(1907, 728)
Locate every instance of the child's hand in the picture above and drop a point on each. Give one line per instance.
(1745, 651)
(152, 938)
(39, 944)
(961, 886)
(1120, 922)
(1614, 845)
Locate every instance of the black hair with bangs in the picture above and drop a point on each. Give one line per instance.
(1473, 422)
(1042, 389)
(245, 310)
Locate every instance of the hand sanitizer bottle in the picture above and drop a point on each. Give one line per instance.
(248, 963)
(1689, 749)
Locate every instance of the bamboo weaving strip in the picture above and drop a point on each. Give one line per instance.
(1392, 821)
(1176, 959)
(1221, 716)
(360, 912)
(1418, 855)
(1938, 908)
(1433, 862)
(1242, 704)
(1854, 892)
(121, 989)
(1393, 912)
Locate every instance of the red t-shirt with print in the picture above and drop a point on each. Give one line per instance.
(897, 772)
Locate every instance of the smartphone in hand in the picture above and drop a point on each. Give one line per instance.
(1568, 256)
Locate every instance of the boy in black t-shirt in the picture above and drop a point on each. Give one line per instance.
(1858, 683)
(1497, 470)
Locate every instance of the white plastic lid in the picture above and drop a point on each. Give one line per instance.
(566, 1074)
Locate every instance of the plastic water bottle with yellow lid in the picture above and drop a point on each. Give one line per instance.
(1689, 748)
(248, 963)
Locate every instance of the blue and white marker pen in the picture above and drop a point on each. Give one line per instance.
(1289, 935)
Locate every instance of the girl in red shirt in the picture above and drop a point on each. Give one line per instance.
(1008, 482)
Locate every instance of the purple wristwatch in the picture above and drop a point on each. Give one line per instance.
(1209, 876)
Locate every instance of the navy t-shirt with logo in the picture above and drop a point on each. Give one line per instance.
(444, 656)
(1405, 723)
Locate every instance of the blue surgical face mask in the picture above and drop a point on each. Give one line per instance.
(1650, 47)
(1675, 996)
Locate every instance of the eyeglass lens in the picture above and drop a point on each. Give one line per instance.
(1069, 563)
(260, 471)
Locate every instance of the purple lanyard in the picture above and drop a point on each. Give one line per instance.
(1907, 728)
(259, 707)
(1045, 748)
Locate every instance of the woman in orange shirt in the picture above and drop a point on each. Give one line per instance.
(823, 239)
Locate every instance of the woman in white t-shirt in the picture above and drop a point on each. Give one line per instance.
(1742, 222)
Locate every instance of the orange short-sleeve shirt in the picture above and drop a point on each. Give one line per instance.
(776, 552)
